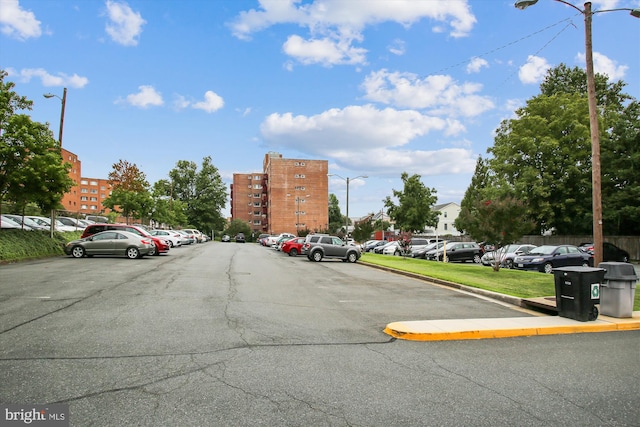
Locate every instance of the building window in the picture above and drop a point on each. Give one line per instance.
(83, 206)
(94, 199)
(445, 227)
(94, 191)
(94, 182)
(256, 195)
(84, 182)
(299, 175)
(256, 222)
(300, 187)
(257, 177)
(298, 164)
(94, 207)
(445, 214)
(84, 190)
(83, 198)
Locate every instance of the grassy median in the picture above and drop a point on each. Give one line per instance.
(521, 284)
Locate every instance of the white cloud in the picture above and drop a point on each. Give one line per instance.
(366, 138)
(604, 65)
(439, 94)
(16, 22)
(534, 70)
(476, 64)
(125, 25)
(146, 97)
(397, 47)
(212, 102)
(337, 24)
(323, 51)
(61, 79)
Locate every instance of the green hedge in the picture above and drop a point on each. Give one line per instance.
(19, 245)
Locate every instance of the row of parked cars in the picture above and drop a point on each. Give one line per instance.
(315, 247)
(520, 256)
(33, 222)
(132, 241)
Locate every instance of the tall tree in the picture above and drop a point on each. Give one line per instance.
(545, 154)
(336, 219)
(130, 194)
(202, 191)
(414, 211)
(31, 166)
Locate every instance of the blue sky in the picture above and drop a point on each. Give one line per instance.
(376, 87)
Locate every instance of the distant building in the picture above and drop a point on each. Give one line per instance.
(87, 194)
(289, 195)
(448, 212)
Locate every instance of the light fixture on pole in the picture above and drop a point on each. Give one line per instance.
(64, 103)
(347, 180)
(596, 178)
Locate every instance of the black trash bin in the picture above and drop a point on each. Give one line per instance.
(618, 289)
(578, 292)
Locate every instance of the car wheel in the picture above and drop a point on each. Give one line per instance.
(170, 243)
(396, 253)
(585, 263)
(352, 257)
(152, 250)
(317, 256)
(77, 251)
(548, 268)
(476, 259)
(133, 253)
(508, 264)
(293, 252)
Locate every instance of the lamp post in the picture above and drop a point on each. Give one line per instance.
(64, 103)
(347, 180)
(596, 180)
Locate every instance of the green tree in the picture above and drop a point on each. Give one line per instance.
(32, 170)
(238, 226)
(362, 231)
(414, 211)
(336, 219)
(130, 194)
(545, 155)
(202, 191)
(166, 210)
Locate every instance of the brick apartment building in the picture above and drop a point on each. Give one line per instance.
(289, 195)
(87, 194)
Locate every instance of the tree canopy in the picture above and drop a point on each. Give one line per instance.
(414, 211)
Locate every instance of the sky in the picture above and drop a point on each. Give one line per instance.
(375, 87)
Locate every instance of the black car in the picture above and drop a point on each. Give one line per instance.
(547, 257)
(610, 252)
(240, 238)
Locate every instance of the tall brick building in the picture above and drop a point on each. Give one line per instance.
(289, 195)
(87, 194)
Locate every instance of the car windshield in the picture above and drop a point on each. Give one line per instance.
(543, 250)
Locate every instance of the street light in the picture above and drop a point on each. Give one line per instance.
(347, 180)
(64, 103)
(596, 182)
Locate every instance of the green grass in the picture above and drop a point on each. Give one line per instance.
(521, 284)
(19, 245)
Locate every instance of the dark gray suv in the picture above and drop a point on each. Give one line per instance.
(317, 247)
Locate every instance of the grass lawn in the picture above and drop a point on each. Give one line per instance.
(521, 284)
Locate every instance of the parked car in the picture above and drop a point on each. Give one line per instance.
(457, 251)
(161, 246)
(506, 254)
(372, 244)
(197, 235)
(71, 222)
(379, 249)
(310, 239)
(422, 251)
(547, 257)
(119, 243)
(7, 223)
(46, 223)
(293, 247)
(240, 238)
(610, 252)
(272, 240)
(331, 247)
(172, 237)
(26, 222)
(189, 237)
(225, 238)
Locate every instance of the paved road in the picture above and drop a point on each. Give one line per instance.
(232, 334)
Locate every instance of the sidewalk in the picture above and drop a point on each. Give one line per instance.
(543, 320)
(474, 329)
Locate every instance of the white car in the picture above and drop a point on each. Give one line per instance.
(272, 240)
(173, 238)
(46, 222)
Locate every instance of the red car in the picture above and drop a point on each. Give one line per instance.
(162, 246)
(293, 246)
